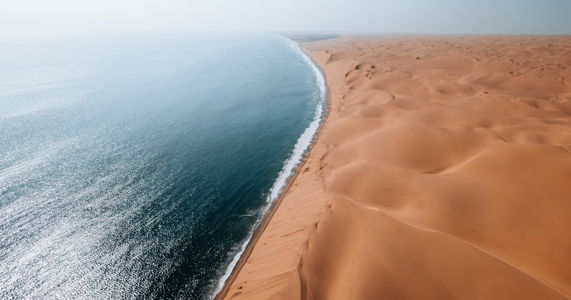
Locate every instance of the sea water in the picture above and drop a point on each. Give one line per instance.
(137, 166)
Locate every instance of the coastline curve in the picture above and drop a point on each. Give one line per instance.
(285, 177)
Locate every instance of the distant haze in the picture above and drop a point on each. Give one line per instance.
(408, 16)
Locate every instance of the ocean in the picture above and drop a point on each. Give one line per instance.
(137, 166)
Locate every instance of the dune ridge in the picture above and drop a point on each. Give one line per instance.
(443, 171)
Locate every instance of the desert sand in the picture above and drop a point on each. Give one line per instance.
(443, 171)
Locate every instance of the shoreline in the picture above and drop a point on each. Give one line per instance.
(274, 205)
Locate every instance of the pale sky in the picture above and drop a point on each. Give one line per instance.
(396, 16)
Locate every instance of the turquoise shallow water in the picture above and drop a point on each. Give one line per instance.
(137, 166)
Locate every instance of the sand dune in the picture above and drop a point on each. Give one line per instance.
(443, 172)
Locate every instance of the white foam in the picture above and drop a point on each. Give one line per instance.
(290, 165)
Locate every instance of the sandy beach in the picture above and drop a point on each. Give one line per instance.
(442, 171)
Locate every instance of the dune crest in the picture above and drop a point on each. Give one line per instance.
(443, 171)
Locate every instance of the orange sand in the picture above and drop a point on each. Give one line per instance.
(443, 171)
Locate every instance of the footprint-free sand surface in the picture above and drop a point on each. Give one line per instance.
(443, 171)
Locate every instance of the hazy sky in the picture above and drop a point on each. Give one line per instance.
(395, 16)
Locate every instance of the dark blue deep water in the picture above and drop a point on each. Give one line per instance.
(136, 166)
